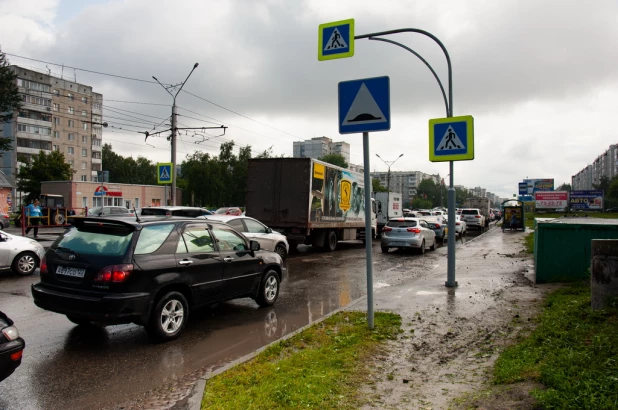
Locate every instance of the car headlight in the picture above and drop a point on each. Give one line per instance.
(10, 332)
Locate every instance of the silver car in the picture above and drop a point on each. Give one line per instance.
(408, 233)
(257, 231)
(20, 254)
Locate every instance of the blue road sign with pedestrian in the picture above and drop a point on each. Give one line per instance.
(336, 40)
(451, 139)
(364, 105)
(164, 173)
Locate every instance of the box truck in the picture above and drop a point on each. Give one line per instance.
(388, 205)
(311, 202)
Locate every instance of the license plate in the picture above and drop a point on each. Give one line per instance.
(74, 272)
(399, 243)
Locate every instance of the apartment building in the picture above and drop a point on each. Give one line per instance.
(605, 164)
(320, 146)
(404, 182)
(57, 114)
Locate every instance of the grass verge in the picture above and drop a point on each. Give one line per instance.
(322, 367)
(529, 242)
(573, 353)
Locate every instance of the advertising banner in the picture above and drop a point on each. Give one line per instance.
(535, 185)
(551, 199)
(336, 195)
(523, 188)
(590, 200)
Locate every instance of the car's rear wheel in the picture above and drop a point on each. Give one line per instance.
(280, 250)
(422, 248)
(79, 321)
(330, 244)
(25, 263)
(433, 245)
(269, 289)
(384, 249)
(169, 317)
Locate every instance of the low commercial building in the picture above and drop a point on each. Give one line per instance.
(79, 195)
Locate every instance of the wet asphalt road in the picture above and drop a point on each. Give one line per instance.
(74, 367)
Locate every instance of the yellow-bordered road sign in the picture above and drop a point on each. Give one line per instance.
(164, 172)
(451, 139)
(336, 40)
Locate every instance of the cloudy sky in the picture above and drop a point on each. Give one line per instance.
(539, 77)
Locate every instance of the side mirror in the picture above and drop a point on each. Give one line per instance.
(254, 245)
(269, 230)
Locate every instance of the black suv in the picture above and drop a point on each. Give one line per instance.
(152, 271)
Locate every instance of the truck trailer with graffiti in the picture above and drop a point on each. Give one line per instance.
(310, 201)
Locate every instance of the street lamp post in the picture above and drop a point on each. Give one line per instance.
(174, 130)
(389, 164)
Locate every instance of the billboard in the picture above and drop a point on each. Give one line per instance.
(336, 195)
(590, 200)
(523, 188)
(551, 199)
(535, 185)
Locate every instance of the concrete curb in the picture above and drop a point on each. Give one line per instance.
(195, 399)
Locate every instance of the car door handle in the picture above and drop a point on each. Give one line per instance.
(228, 259)
(185, 262)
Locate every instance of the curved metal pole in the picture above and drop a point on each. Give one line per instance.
(434, 38)
(424, 61)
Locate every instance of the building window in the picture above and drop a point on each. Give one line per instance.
(70, 110)
(71, 97)
(97, 106)
(33, 129)
(56, 107)
(84, 152)
(71, 151)
(84, 113)
(84, 125)
(70, 162)
(96, 155)
(56, 92)
(96, 142)
(71, 137)
(85, 139)
(56, 121)
(84, 99)
(71, 124)
(34, 115)
(31, 85)
(31, 99)
(56, 134)
(136, 203)
(84, 178)
(36, 144)
(56, 147)
(84, 165)
(84, 201)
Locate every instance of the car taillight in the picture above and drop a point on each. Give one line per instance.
(457, 223)
(17, 355)
(387, 229)
(477, 216)
(114, 273)
(437, 226)
(415, 230)
(44, 266)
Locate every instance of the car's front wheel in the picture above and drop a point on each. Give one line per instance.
(269, 289)
(25, 263)
(422, 248)
(280, 250)
(168, 317)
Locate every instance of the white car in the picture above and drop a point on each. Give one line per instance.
(474, 218)
(255, 230)
(460, 225)
(20, 254)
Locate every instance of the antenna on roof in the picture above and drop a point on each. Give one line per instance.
(136, 217)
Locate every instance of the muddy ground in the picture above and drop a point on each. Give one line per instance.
(444, 357)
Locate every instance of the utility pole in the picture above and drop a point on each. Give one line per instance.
(389, 164)
(174, 130)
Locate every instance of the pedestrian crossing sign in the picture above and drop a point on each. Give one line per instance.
(164, 172)
(451, 139)
(336, 40)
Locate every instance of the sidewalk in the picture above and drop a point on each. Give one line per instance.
(452, 336)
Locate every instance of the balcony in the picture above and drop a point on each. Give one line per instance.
(97, 160)
(97, 148)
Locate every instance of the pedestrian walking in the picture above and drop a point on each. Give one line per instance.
(513, 221)
(33, 212)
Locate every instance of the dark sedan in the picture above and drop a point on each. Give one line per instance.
(11, 347)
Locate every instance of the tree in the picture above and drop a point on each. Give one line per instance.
(612, 192)
(420, 203)
(10, 100)
(564, 187)
(128, 170)
(335, 159)
(42, 167)
(428, 189)
(603, 183)
(376, 186)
